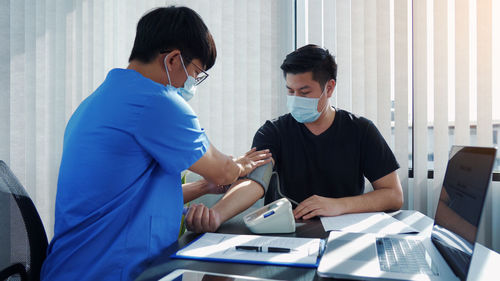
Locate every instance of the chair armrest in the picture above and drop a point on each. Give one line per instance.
(12, 270)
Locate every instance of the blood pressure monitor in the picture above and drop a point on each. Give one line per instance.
(276, 217)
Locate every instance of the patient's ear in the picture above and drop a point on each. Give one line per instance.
(330, 86)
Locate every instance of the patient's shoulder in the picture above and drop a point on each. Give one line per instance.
(282, 122)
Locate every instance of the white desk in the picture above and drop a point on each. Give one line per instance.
(484, 260)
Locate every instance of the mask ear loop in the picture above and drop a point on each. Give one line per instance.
(183, 66)
(166, 69)
(326, 103)
(185, 70)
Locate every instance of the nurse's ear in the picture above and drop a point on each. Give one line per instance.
(172, 60)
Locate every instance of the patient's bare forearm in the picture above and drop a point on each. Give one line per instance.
(242, 194)
(377, 200)
(386, 196)
(194, 190)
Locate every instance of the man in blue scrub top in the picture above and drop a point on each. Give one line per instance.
(119, 196)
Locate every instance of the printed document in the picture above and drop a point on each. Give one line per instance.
(377, 222)
(303, 252)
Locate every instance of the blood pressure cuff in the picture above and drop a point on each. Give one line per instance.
(262, 175)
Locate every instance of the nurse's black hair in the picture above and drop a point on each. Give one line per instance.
(164, 29)
(311, 58)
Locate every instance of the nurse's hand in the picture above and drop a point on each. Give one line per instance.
(200, 218)
(253, 159)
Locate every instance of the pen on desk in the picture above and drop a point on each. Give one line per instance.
(278, 250)
(249, 248)
(262, 249)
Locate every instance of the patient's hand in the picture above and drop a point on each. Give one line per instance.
(200, 218)
(318, 206)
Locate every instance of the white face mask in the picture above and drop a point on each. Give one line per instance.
(304, 110)
(187, 92)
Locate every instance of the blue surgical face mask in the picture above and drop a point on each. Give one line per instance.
(187, 92)
(304, 110)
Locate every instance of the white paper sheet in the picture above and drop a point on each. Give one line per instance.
(219, 246)
(377, 222)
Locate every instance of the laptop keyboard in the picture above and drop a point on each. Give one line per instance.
(404, 256)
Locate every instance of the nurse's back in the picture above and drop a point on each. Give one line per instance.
(108, 183)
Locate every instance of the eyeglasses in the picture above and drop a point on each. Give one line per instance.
(201, 77)
(198, 79)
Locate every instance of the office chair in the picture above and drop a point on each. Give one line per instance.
(23, 241)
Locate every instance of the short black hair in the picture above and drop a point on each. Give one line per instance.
(167, 28)
(311, 58)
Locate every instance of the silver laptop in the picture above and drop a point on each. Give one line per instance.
(445, 254)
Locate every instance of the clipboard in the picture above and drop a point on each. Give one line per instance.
(219, 247)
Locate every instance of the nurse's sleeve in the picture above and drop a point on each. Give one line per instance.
(169, 131)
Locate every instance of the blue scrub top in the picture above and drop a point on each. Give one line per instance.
(119, 196)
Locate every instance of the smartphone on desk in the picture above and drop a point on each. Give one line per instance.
(192, 275)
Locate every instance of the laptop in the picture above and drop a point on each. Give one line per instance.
(445, 254)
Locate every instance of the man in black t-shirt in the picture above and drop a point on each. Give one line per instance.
(321, 154)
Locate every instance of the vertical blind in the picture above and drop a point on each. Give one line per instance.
(432, 64)
(421, 70)
(56, 52)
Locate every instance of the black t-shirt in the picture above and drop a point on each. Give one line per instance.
(332, 164)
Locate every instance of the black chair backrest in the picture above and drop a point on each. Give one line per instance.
(23, 241)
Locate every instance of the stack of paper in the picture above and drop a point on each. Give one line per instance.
(377, 222)
(304, 252)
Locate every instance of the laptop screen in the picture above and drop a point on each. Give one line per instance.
(460, 205)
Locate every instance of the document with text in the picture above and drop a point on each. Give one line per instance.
(377, 222)
(290, 251)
